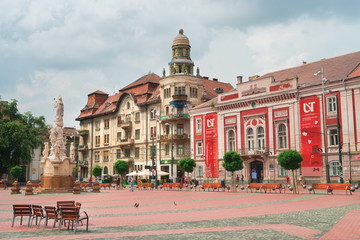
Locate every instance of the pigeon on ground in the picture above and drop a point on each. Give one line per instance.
(136, 205)
(175, 204)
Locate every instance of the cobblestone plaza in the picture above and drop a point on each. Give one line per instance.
(196, 215)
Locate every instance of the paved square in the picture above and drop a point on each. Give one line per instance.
(196, 215)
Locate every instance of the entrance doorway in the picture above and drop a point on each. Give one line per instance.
(256, 172)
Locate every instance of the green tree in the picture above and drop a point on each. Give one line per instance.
(121, 167)
(20, 134)
(290, 160)
(187, 165)
(96, 171)
(16, 172)
(232, 162)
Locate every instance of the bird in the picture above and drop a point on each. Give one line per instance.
(175, 204)
(136, 205)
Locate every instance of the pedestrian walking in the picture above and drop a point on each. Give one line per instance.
(287, 180)
(131, 184)
(242, 179)
(301, 180)
(186, 181)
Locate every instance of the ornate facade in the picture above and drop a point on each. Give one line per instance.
(147, 122)
(310, 108)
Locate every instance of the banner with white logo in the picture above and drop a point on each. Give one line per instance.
(211, 146)
(311, 135)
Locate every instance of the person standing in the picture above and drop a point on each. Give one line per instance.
(287, 180)
(242, 179)
(131, 184)
(301, 180)
(186, 181)
(237, 179)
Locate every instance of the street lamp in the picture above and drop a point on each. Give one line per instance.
(172, 152)
(338, 137)
(323, 81)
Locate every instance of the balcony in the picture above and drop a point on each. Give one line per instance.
(176, 137)
(173, 117)
(83, 163)
(126, 125)
(83, 132)
(179, 97)
(83, 147)
(126, 142)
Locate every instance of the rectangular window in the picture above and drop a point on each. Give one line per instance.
(167, 149)
(199, 171)
(183, 91)
(137, 152)
(106, 156)
(167, 110)
(119, 136)
(333, 135)
(97, 156)
(199, 148)
(106, 123)
(106, 138)
(137, 134)
(282, 172)
(153, 132)
(119, 121)
(137, 117)
(334, 168)
(198, 126)
(180, 129)
(176, 91)
(331, 104)
(118, 153)
(128, 117)
(97, 140)
(97, 125)
(180, 149)
(127, 152)
(180, 111)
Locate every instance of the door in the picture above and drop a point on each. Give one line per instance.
(256, 172)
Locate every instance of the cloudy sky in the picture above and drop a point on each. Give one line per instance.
(72, 48)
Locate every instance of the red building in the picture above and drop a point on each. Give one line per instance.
(309, 108)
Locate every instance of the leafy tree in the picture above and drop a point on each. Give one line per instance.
(121, 167)
(16, 172)
(19, 135)
(290, 160)
(232, 162)
(97, 170)
(187, 165)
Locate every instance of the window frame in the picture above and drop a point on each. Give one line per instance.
(199, 147)
(334, 168)
(180, 149)
(282, 136)
(231, 140)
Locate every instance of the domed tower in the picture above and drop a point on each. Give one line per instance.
(181, 61)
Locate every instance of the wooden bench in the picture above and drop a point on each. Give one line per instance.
(145, 185)
(105, 185)
(71, 213)
(3, 185)
(266, 186)
(21, 210)
(329, 187)
(172, 186)
(213, 186)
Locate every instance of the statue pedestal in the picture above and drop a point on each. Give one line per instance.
(56, 184)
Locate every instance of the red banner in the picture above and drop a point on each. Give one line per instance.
(311, 135)
(211, 146)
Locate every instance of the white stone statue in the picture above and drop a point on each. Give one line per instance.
(45, 153)
(72, 151)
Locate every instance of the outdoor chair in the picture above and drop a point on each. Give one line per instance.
(21, 210)
(37, 213)
(71, 214)
(51, 213)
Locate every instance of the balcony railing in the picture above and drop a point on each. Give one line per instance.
(126, 125)
(167, 137)
(126, 142)
(171, 117)
(83, 163)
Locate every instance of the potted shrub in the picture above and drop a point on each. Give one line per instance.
(16, 173)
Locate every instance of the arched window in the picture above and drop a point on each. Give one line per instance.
(250, 138)
(106, 170)
(282, 136)
(128, 105)
(261, 138)
(231, 140)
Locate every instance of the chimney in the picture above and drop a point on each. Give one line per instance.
(253, 77)
(215, 79)
(239, 79)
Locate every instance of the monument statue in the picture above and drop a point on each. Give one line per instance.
(57, 167)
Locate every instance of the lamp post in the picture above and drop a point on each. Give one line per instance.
(338, 137)
(323, 81)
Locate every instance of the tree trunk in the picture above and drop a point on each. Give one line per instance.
(121, 182)
(294, 188)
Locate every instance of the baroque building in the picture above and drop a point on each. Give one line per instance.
(147, 123)
(310, 108)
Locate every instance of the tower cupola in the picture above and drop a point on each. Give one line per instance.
(181, 61)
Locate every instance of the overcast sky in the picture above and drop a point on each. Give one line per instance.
(72, 48)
